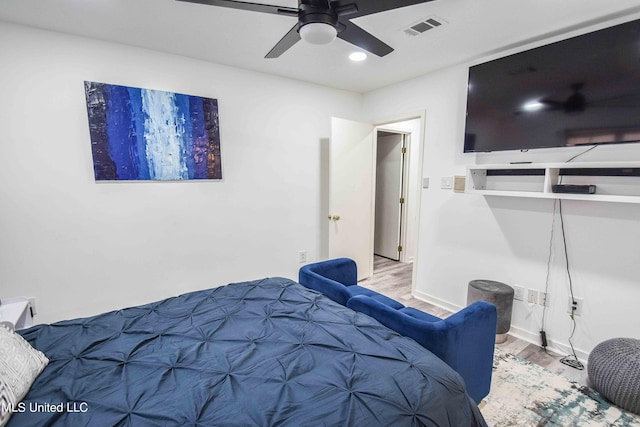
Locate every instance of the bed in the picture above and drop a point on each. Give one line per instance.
(259, 353)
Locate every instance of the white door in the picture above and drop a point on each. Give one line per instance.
(388, 212)
(351, 193)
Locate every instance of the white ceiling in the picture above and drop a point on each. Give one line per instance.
(473, 29)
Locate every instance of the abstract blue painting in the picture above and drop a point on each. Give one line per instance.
(144, 134)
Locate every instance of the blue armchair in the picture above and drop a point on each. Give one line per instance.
(465, 340)
(337, 279)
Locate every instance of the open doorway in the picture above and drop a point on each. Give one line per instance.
(398, 185)
(390, 193)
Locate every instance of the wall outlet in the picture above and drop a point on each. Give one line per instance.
(532, 296)
(575, 306)
(518, 293)
(543, 298)
(302, 257)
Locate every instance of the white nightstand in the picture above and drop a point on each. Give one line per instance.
(16, 313)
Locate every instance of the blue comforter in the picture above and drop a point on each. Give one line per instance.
(260, 353)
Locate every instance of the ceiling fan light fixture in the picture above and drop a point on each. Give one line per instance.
(318, 33)
(533, 106)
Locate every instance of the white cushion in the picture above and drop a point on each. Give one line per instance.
(20, 365)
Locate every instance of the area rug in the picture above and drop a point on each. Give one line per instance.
(524, 394)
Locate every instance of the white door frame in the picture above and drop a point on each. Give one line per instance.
(402, 237)
(393, 195)
(415, 146)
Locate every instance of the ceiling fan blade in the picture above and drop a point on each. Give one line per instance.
(550, 104)
(291, 38)
(368, 7)
(359, 37)
(255, 7)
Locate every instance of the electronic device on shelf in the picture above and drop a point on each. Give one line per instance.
(574, 189)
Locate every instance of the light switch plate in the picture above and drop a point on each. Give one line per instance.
(425, 182)
(446, 182)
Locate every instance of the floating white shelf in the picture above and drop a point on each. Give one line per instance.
(615, 181)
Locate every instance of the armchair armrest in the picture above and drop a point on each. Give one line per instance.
(469, 346)
(330, 278)
(464, 340)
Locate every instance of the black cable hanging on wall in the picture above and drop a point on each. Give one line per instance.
(543, 333)
(572, 359)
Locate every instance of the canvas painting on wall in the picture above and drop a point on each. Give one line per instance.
(144, 134)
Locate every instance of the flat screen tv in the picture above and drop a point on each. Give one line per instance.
(580, 91)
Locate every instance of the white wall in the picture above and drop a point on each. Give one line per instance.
(465, 237)
(82, 247)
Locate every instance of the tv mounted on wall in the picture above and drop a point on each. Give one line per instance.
(576, 92)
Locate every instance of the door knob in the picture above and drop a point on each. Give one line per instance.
(334, 217)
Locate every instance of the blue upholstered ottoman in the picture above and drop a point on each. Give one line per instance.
(614, 371)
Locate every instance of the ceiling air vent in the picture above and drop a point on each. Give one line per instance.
(423, 26)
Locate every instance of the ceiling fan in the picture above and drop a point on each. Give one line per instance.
(321, 21)
(574, 103)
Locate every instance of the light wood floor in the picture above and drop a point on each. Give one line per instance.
(393, 279)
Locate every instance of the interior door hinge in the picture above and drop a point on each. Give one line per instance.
(404, 150)
(401, 200)
(400, 248)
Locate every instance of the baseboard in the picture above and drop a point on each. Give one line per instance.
(435, 301)
(523, 334)
(552, 345)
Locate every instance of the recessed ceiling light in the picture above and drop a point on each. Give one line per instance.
(358, 56)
